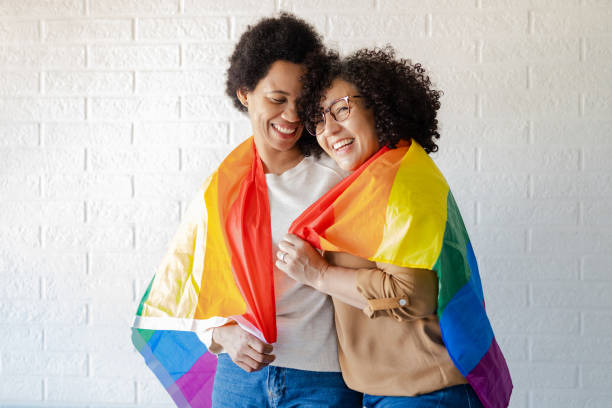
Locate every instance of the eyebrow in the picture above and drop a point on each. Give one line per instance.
(278, 91)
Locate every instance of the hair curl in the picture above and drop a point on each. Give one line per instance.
(271, 39)
(398, 92)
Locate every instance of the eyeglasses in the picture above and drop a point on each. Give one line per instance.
(339, 110)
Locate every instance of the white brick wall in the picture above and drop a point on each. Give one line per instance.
(112, 113)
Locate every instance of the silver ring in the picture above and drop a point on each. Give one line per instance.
(284, 256)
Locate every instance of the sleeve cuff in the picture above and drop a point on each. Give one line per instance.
(375, 305)
(205, 336)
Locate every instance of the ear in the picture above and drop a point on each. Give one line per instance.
(242, 95)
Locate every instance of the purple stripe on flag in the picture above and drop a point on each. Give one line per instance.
(491, 379)
(197, 383)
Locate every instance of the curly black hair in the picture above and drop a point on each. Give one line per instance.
(286, 38)
(399, 93)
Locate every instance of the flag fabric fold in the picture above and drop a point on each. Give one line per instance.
(210, 273)
(397, 208)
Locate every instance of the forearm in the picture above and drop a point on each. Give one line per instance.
(341, 283)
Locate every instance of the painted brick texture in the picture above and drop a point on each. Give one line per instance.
(112, 113)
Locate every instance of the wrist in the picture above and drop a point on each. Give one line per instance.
(319, 283)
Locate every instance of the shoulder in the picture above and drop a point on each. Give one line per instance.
(326, 164)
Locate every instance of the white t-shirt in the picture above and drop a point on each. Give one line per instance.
(306, 335)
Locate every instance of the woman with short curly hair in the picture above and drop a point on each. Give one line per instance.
(274, 337)
(412, 329)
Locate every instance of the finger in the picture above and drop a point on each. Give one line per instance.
(280, 255)
(248, 364)
(281, 265)
(260, 346)
(293, 239)
(260, 358)
(286, 247)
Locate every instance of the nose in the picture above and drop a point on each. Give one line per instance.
(290, 113)
(331, 126)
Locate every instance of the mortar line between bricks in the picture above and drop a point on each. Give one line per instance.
(528, 247)
(530, 186)
(530, 134)
(41, 287)
(41, 83)
(132, 133)
(529, 73)
(40, 236)
(581, 104)
(530, 22)
(136, 394)
(582, 50)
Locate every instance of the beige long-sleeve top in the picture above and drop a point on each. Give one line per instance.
(394, 346)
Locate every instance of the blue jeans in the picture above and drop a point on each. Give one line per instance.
(278, 387)
(458, 396)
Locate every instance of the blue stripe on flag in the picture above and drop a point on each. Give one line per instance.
(466, 330)
(177, 351)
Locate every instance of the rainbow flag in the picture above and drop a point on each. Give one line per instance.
(219, 265)
(398, 209)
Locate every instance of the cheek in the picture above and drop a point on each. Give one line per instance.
(322, 143)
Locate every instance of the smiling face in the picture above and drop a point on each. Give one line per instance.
(272, 109)
(350, 142)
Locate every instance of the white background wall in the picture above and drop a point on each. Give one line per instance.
(112, 112)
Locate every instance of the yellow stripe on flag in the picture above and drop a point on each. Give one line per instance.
(415, 214)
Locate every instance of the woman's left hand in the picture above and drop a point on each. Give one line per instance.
(298, 259)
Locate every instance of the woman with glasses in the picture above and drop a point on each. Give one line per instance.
(274, 337)
(397, 260)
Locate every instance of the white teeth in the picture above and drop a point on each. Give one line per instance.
(284, 130)
(342, 143)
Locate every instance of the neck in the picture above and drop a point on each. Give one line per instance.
(278, 162)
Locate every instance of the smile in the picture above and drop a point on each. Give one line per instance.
(342, 143)
(284, 130)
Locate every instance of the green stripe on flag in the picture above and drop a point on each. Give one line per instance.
(452, 265)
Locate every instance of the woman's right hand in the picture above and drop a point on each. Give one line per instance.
(245, 350)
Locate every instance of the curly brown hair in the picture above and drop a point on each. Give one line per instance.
(399, 93)
(271, 39)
